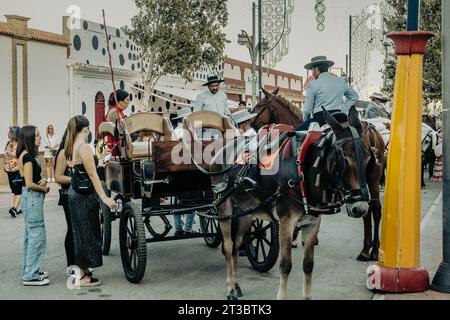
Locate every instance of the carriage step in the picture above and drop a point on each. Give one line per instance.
(183, 237)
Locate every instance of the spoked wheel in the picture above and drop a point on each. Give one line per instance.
(209, 226)
(262, 245)
(105, 222)
(133, 246)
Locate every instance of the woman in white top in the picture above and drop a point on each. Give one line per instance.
(51, 144)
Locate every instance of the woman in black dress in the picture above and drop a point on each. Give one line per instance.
(62, 176)
(83, 201)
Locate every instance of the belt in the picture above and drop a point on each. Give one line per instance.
(331, 112)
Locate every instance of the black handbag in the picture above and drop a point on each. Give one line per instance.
(81, 184)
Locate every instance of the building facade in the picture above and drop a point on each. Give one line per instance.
(48, 78)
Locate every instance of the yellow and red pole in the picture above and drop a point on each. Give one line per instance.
(399, 269)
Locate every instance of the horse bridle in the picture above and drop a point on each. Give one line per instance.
(266, 107)
(350, 195)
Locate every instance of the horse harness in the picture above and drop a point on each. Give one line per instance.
(296, 187)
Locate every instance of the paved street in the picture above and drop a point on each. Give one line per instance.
(190, 270)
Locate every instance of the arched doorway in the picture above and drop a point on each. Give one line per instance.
(99, 110)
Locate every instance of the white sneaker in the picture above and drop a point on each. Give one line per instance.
(39, 282)
(53, 180)
(48, 180)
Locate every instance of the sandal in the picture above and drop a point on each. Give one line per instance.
(92, 282)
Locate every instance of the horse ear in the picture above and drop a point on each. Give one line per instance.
(334, 124)
(353, 119)
(275, 93)
(266, 93)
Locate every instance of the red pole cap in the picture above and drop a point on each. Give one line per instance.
(410, 42)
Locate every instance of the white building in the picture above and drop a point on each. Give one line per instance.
(48, 78)
(33, 77)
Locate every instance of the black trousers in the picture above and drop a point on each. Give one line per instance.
(68, 242)
(317, 117)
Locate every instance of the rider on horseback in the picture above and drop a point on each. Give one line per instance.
(326, 91)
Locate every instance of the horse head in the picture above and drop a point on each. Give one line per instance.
(274, 109)
(346, 163)
(264, 110)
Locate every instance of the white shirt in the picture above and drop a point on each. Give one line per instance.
(50, 141)
(253, 143)
(206, 101)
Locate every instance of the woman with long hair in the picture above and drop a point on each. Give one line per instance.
(33, 195)
(12, 170)
(62, 176)
(51, 147)
(83, 202)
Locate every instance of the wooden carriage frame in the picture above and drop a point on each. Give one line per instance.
(145, 172)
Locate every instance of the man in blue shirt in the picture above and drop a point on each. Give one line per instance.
(214, 99)
(326, 91)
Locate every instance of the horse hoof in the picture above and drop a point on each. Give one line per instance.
(238, 291)
(374, 256)
(363, 258)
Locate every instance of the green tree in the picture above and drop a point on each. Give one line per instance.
(178, 37)
(430, 21)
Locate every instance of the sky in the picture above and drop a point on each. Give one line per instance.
(305, 40)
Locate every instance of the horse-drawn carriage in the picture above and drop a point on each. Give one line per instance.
(149, 172)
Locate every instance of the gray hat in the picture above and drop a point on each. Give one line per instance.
(319, 60)
(183, 113)
(242, 116)
(379, 96)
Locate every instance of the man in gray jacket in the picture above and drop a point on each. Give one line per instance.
(214, 100)
(326, 91)
(376, 107)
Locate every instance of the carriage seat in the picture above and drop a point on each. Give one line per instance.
(143, 122)
(208, 120)
(107, 128)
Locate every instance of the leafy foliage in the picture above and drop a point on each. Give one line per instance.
(178, 37)
(430, 21)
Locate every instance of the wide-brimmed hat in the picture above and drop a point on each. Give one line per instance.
(379, 96)
(183, 113)
(317, 61)
(242, 116)
(213, 79)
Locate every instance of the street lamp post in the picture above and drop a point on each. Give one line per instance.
(250, 42)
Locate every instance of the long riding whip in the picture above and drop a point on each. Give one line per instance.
(118, 124)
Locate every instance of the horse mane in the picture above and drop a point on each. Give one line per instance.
(290, 106)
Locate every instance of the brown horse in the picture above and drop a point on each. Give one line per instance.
(273, 196)
(276, 109)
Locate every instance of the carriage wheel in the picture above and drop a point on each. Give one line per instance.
(105, 220)
(209, 226)
(133, 246)
(262, 245)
